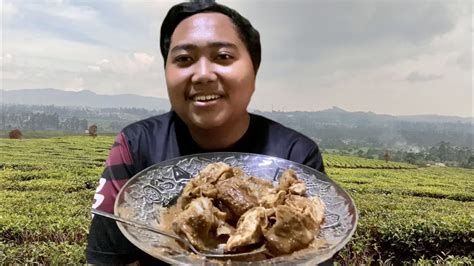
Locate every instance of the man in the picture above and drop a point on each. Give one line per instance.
(211, 55)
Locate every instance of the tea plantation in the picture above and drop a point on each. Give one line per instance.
(407, 214)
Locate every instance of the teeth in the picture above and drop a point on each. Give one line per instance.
(206, 97)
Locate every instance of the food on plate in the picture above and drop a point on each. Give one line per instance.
(223, 207)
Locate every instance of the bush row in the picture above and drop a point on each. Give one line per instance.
(406, 216)
(403, 229)
(340, 161)
(42, 253)
(44, 216)
(452, 183)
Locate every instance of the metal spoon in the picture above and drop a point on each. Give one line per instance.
(185, 241)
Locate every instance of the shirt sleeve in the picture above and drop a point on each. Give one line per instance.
(306, 151)
(106, 244)
(315, 160)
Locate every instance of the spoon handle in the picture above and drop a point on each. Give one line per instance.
(136, 224)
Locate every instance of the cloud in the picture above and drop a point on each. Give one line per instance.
(6, 59)
(464, 60)
(103, 61)
(8, 9)
(33, 10)
(316, 29)
(136, 63)
(75, 84)
(420, 77)
(94, 68)
(359, 55)
(55, 9)
(143, 59)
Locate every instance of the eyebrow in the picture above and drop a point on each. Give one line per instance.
(189, 46)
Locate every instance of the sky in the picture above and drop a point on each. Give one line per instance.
(398, 57)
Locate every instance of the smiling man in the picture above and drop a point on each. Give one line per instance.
(212, 55)
(210, 79)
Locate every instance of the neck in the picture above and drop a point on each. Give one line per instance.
(221, 137)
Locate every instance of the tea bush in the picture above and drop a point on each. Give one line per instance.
(408, 215)
(340, 161)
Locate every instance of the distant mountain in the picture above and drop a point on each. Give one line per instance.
(333, 128)
(86, 98)
(437, 119)
(83, 98)
(336, 112)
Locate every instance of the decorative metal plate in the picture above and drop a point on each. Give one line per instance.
(144, 196)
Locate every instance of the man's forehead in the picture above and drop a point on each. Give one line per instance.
(205, 20)
(204, 28)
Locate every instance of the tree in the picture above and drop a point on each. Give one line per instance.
(470, 162)
(413, 158)
(386, 156)
(93, 131)
(15, 134)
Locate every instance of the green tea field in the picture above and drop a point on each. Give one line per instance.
(408, 215)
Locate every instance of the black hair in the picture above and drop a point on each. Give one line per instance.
(247, 33)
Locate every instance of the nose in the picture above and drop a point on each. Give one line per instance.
(204, 72)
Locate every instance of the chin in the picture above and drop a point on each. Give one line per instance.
(212, 119)
(204, 122)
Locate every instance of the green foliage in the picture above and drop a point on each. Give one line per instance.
(408, 215)
(340, 161)
(444, 260)
(442, 152)
(42, 253)
(407, 228)
(46, 190)
(35, 134)
(44, 216)
(448, 183)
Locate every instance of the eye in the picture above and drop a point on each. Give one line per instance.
(224, 58)
(183, 60)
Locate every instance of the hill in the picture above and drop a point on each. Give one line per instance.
(339, 129)
(84, 98)
(87, 98)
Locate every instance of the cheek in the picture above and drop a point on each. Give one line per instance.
(168, 78)
(245, 85)
(240, 77)
(174, 80)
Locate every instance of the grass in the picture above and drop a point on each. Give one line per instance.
(408, 215)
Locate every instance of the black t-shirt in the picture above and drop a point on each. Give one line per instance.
(164, 137)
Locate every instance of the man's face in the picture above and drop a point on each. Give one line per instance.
(209, 73)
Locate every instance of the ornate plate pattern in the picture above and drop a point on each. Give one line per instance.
(145, 195)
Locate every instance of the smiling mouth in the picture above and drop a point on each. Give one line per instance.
(206, 98)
